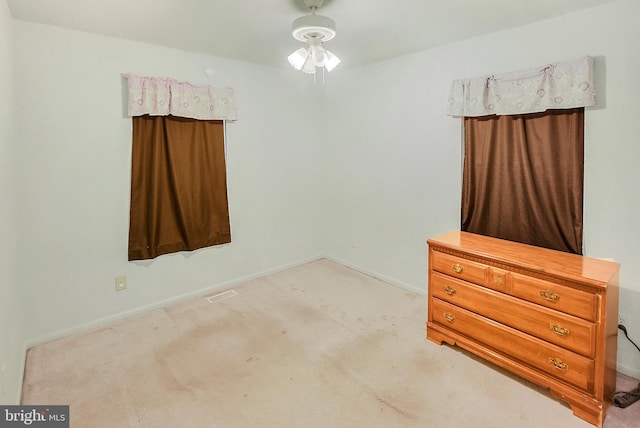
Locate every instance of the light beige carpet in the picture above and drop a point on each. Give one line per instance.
(319, 345)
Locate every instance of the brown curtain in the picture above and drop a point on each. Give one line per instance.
(178, 186)
(523, 178)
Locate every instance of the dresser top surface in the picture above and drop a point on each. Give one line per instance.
(538, 259)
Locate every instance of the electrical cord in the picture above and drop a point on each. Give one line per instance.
(624, 399)
(624, 330)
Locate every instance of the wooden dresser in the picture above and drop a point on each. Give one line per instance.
(548, 316)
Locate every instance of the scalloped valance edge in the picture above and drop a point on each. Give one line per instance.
(563, 85)
(158, 96)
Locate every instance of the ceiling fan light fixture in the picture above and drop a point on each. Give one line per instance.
(298, 58)
(313, 30)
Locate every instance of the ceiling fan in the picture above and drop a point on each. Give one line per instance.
(314, 30)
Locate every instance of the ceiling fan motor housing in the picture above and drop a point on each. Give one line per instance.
(313, 27)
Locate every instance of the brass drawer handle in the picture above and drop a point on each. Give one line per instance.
(457, 268)
(559, 330)
(558, 364)
(550, 296)
(450, 291)
(449, 317)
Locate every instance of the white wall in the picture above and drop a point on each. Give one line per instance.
(396, 160)
(11, 323)
(75, 149)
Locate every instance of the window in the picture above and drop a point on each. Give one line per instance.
(178, 172)
(523, 178)
(523, 172)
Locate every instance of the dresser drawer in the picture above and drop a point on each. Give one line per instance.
(560, 363)
(460, 268)
(565, 299)
(552, 326)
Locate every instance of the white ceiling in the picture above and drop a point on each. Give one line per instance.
(259, 31)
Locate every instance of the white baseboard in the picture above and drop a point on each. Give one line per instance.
(161, 304)
(629, 371)
(380, 276)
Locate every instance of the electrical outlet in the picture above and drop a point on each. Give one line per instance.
(121, 283)
(622, 319)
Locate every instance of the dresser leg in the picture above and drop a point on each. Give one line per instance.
(437, 337)
(590, 411)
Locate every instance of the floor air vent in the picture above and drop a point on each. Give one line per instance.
(222, 296)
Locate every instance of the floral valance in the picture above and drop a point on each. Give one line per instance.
(554, 86)
(162, 97)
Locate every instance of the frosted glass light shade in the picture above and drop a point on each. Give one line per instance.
(298, 58)
(332, 61)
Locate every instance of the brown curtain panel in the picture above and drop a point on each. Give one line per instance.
(523, 178)
(178, 186)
